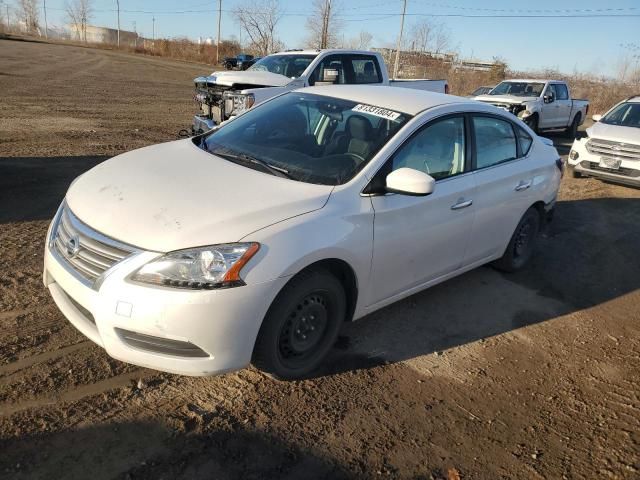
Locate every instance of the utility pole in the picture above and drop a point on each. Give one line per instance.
(46, 28)
(324, 40)
(153, 20)
(395, 66)
(218, 42)
(118, 5)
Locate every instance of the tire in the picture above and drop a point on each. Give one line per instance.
(532, 122)
(301, 325)
(518, 253)
(575, 173)
(228, 66)
(572, 131)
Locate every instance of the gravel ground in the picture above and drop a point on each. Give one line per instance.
(531, 375)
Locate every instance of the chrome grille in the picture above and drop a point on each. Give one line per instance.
(87, 252)
(609, 148)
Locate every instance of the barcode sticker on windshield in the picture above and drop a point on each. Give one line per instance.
(377, 111)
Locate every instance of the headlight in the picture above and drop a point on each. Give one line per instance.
(236, 103)
(573, 155)
(524, 113)
(217, 266)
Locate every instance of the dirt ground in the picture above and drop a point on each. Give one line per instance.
(531, 375)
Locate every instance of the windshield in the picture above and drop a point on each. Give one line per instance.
(291, 66)
(625, 115)
(519, 89)
(480, 91)
(304, 137)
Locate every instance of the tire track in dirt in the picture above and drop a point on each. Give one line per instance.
(24, 363)
(74, 395)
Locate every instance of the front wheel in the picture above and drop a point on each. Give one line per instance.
(572, 130)
(522, 243)
(301, 325)
(532, 122)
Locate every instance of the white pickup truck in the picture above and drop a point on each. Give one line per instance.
(541, 104)
(223, 95)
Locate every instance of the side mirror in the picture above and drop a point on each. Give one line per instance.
(548, 98)
(407, 181)
(596, 118)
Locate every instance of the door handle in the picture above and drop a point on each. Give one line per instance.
(522, 186)
(462, 203)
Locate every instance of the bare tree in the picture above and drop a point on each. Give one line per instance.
(428, 36)
(259, 19)
(30, 14)
(79, 13)
(324, 25)
(361, 42)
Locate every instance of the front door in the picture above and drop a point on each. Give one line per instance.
(419, 239)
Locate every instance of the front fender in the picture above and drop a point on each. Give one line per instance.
(337, 231)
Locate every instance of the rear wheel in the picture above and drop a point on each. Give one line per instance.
(301, 325)
(522, 243)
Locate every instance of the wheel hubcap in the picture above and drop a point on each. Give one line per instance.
(523, 238)
(305, 327)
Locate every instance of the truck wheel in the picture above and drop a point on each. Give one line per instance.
(572, 130)
(301, 325)
(522, 243)
(532, 122)
(228, 66)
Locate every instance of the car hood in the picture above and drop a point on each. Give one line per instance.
(175, 195)
(510, 99)
(616, 133)
(246, 77)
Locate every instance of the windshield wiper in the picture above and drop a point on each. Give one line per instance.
(274, 170)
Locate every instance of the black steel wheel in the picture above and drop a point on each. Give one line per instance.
(522, 243)
(301, 325)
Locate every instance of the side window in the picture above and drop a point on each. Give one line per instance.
(333, 63)
(562, 92)
(365, 70)
(525, 141)
(438, 149)
(551, 90)
(495, 141)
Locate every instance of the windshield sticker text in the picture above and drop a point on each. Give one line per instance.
(377, 111)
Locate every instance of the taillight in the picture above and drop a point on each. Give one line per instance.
(560, 165)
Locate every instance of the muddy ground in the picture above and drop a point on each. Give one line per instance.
(532, 375)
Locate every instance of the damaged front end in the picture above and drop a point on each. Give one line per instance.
(217, 103)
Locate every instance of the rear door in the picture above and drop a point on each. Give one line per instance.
(563, 105)
(504, 179)
(419, 239)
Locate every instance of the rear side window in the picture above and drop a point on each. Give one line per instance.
(562, 92)
(495, 141)
(525, 141)
(350, 69)
(366, 70)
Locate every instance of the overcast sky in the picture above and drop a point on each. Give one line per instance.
(479, 29)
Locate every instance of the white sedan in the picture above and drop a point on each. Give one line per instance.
(253, 243)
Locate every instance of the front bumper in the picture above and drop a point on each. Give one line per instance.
(589, 164)
(201, 124)
(189, 332)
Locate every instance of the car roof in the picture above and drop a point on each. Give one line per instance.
(406, 100)
(533, 80)
(311, 51)
(633, 99)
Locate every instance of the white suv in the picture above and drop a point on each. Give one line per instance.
(256, 241)
(611, 150)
